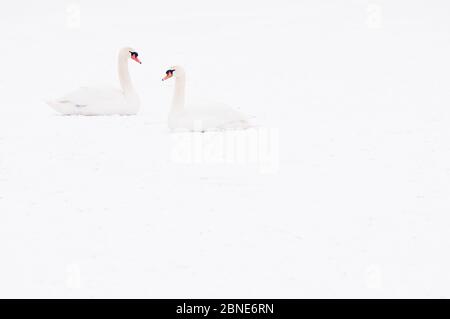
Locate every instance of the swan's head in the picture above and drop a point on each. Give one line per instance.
(132, 54)
(175, 71)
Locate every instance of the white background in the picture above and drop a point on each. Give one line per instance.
(356, 204)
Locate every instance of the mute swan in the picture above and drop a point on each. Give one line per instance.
(98, 101)
(211, 117)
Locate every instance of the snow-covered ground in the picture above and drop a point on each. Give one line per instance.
(342, 190)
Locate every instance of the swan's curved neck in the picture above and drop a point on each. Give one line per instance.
(124, 75)
(179, 94)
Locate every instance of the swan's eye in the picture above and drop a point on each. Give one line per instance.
(134, 54)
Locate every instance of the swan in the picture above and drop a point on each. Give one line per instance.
(103, 101)
(199, 118)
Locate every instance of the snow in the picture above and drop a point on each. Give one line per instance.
(342, 190)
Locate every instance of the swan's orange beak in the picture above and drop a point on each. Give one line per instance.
(168, 76)
(135, 58)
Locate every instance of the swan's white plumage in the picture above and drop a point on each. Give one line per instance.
(94, 101)
(206, 117)
(102, 101)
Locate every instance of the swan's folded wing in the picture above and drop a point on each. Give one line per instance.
(217, 111)
(208, 116)
(90, 101)
(87, 96)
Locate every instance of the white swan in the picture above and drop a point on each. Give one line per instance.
(98, 101)
(209, 117)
